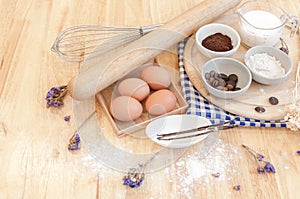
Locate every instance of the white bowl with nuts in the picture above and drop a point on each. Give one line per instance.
(225, 77)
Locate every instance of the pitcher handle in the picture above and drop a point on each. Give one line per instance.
(294, 23)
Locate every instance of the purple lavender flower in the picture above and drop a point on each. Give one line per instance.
(285, 50)
(67, 118)
(264, 166)
(260, 170)
(73, 147)
(135, 176)
(74, 143)
(132, 182)
(77, 138)
(260, 158)
(269, 168)
(298, 152)
(55, 95)
(237, 187)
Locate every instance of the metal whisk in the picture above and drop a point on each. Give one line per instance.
(80, 42)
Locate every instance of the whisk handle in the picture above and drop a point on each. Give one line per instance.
(104, 70)
(146, 29)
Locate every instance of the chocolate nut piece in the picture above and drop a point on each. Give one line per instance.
(215, 83)
(232, 84)
(222, 82)
(260, 109)
(217, 76)
(273, 100)
(211, 80)
(230, 87)
(207, 76)
(212, 73)
(236, 89)
(224, 76)
(233, 77)
(220, 88)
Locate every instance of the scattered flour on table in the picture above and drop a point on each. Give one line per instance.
(92, 164)
(266, 65)
(194, 169)
(262, 91)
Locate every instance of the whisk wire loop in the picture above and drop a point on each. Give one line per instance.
(87, 41)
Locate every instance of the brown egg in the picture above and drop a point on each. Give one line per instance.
(134, 87)
(160, 102)
(125, 108)
(157, 77)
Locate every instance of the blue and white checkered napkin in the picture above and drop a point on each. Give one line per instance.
(198, 105)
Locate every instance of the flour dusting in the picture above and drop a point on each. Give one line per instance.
(194, 169)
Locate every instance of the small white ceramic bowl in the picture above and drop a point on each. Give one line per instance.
(211, 29)
(278, 55)
(227, 66)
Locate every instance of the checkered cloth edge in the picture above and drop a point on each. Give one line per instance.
(198, 105)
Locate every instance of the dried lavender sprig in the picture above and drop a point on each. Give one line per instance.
(55, 95)
(67, 118)
(237, 187)
(74, 142)
(267, 168)
(284, 47)
(135, 176)
(263, 165)
(256, 155)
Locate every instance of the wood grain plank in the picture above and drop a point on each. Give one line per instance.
(35, 162)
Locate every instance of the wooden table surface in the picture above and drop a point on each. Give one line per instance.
(35, 162)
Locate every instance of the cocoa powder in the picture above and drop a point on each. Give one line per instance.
(217, 42)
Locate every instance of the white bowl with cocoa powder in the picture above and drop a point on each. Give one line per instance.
(217, 40)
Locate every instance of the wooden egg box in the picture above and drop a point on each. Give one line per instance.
(105, 96)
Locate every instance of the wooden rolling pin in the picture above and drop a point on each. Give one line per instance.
(104, 70)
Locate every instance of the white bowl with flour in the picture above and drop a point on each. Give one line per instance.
(268, 65)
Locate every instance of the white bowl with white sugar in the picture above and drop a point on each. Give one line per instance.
(268, 65)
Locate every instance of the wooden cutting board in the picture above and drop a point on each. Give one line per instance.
(258, 94)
